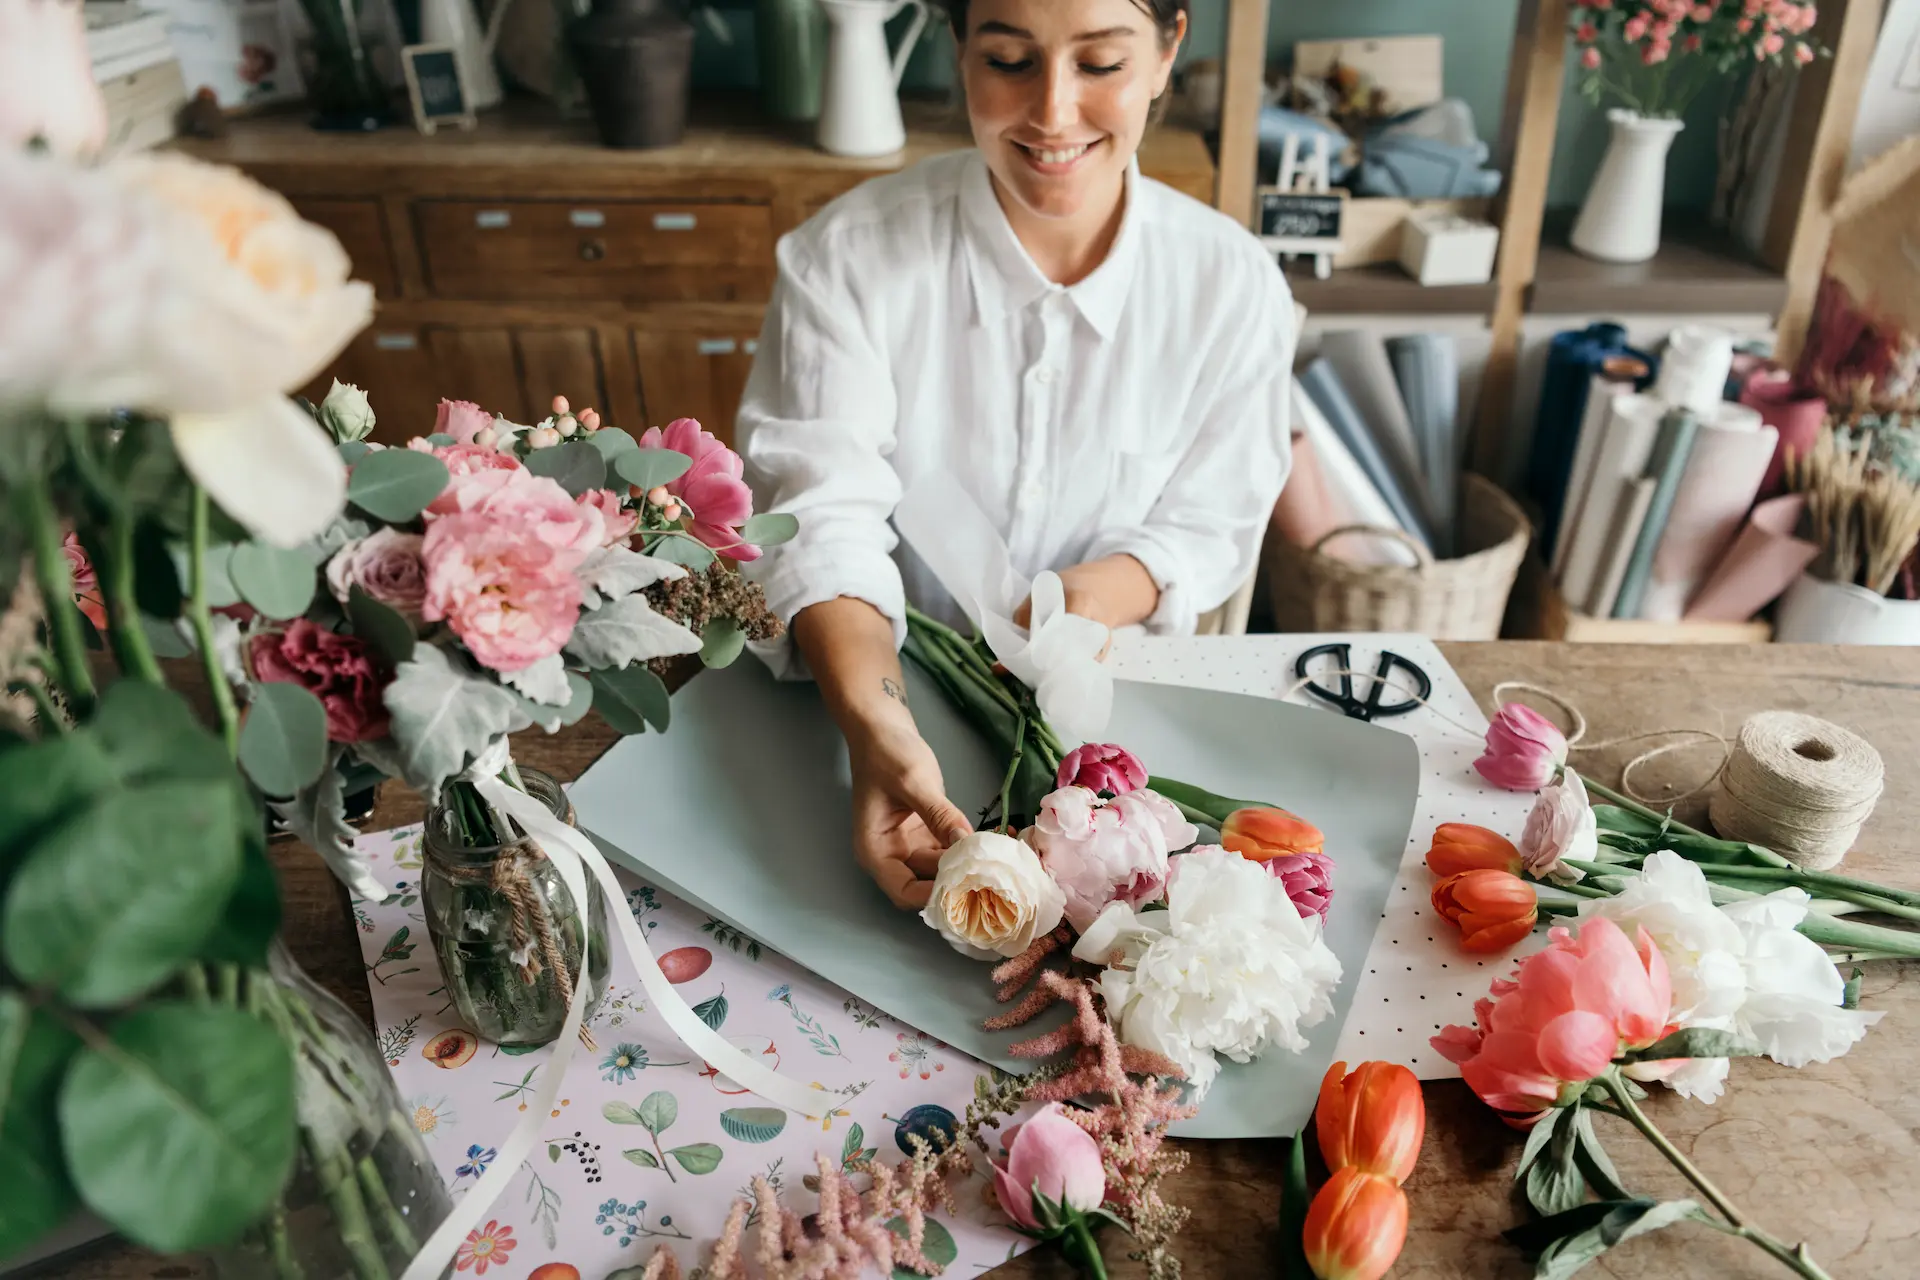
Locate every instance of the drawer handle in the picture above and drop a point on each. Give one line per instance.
(586, 218)
(718, 346)
(395, 342)
(592, 250)
(674, 222)
(492, 219)
(751, 346)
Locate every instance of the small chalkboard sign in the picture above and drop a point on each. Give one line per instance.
(436, 87)
(1300, 221)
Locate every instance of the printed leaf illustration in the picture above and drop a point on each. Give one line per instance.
(699, 1157)
(712, 1012)
(645, 1159)
(753, 1124)
(658, 1111)
(853, 1152)
(937, 1244)
(553, 1152)
(622, 1113)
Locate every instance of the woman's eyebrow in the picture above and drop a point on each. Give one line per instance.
(993, 27)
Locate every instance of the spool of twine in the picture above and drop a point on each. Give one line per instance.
(1799, 785)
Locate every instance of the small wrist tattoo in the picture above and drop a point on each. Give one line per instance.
(892, 689)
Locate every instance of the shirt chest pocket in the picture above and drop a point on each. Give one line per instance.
(1142, 456)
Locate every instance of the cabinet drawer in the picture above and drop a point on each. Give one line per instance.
(640, 251)
(358, 226)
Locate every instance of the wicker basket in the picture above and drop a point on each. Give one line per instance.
(1459, 599)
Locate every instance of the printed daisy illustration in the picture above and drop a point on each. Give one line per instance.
(431, 1115)
(625, 1060)
(486, 1247)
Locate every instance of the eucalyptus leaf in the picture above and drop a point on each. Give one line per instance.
(612, 442)
(277, 581)
(1294, 1201)
(352, 451)
(219, 586)
(43, 782)
(34, 1053)
(386, 632)
(440, 440)
(283, 743)
(649, 468)
(443, 718)
(395, 485)
(698, 1157)
(721, 643)
(1554, 1182)
(626, 631)
(575, 467)
(164, 638)
(1695, 1042)
(112, 901)
(642, 1157)
(686, 550)
(631, 697)
(620, 1113)
(769, 529)
(658, 1111)
(180, 1132)
(251, 918)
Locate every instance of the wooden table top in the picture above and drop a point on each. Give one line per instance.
(1827, 1154)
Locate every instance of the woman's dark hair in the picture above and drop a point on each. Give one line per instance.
(1165, 15)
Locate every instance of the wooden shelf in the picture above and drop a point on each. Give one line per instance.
(1697, 270)
(1382, 289)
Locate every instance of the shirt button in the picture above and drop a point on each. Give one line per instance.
(1043, 374)
(1032, 491)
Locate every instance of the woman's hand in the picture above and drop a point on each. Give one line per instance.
(902, 819)
(1116, 590)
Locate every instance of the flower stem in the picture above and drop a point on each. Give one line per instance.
(56, 593)
(1081, 1249)
(202, 622)
(45, 712)
(1013, 767)
(130, 647)
(1796, 1258)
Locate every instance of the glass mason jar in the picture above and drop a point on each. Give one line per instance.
(364, 1194)
(500, 917)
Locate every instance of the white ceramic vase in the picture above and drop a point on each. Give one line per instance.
(1620, 220)
(860, 97)
(1815, 611)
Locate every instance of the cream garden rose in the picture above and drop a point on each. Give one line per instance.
(992, 897)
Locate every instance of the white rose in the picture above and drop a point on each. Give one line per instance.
(992, 897)
(346, 413)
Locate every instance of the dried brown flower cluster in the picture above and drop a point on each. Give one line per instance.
(716, 592)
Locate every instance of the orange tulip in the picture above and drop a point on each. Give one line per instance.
(1260, 834)
(1493, 909)
(1461, 846)
(1371, 1119)
(1355, 1226)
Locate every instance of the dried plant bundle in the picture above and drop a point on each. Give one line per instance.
(1862, 512)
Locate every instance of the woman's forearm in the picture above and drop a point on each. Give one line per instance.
(1116, 590)
(848, 645)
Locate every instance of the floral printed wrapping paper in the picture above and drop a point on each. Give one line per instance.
(647, 1144)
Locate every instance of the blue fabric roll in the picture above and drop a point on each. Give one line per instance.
(1572, 360)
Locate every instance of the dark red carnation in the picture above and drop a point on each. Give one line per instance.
(339, 670)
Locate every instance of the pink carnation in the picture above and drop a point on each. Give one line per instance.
(1102, 766)
(711, 492)
(511, 598)
(461, 419)
(337, 669)
(618, 524)
(1308, 878)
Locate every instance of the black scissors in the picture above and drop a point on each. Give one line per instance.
(1344, 699)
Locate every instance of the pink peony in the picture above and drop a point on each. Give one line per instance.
(542, 507)
(1054, 1156)
(1309, 881)
(1562, 1018)
(618, 523)
(386, 565)
(1102, 851)
(1636, 27)
(711, 491)
(337, 669)
(461, 419)
(512, 599)
(1102, 766)
(1524, 749)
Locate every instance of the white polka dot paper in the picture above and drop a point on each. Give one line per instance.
(1417, 978)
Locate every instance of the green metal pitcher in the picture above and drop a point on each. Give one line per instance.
(792, 39)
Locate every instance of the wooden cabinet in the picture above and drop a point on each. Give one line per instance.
(362, 232)
(393, 366)
(692, 373)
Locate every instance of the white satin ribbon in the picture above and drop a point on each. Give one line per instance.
(570, 852)
(1058, 655)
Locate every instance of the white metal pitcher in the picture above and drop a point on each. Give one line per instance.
(860, 100)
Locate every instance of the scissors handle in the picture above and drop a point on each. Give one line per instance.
(1423, 686)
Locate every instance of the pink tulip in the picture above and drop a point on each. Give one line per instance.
(1054, 1156)
(464, 421)
(711, 490)
(1524, 749)
(1102, 766)
(1308, 878)
(1562, 1018)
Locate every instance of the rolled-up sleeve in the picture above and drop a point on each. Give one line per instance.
(815, 428)
(1201, 540)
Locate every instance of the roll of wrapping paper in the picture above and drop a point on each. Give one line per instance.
(1573, 358)
(1426, 366)
(1324, 387)
(1307, 509)
(1763, 561)
(1360, 358)
(1678, 431)
(1717, 489)
(1694, 368)
(1348, 483)
(1633, 423)
(1630, 516)
(1617, 374)
(1795, 414)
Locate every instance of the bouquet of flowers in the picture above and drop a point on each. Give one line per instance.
(1655, 56)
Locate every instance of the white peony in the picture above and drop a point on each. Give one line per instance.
(1101, 851)
(991, 897)
(1740, 968)
(1227, 968)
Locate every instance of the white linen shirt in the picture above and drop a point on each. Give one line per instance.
(1142, 410)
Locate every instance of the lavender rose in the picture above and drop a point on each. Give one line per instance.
(386, 565)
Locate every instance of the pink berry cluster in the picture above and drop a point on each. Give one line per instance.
(1653, 32)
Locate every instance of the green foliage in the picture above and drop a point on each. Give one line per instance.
(648, 468)
(658, 1111)
(722, 642)
(698, 1157)
(575, 467)
(276, 581)
(34, 1053)
(770, 529)
(753, 1124)
(395, 485)
(389, 635)
(627, 630)
(1567, 1242)
(683, 549)
(283, 744)
(1695, 1042)
(1294, 1201)
(630, 698)
(612, 442)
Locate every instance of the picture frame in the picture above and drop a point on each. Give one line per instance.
(437, 87)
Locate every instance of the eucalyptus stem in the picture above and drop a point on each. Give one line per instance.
(56, 593)
(376, 1193)
(202, 621)
(195, 979)
(285, 1265)
(1013, 767)
(1796, 1258)
(129, 640)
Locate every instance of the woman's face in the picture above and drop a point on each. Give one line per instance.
(1058, 93)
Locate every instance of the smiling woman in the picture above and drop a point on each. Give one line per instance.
(1098, 362)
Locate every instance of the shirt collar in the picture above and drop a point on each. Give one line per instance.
(1005, 279)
